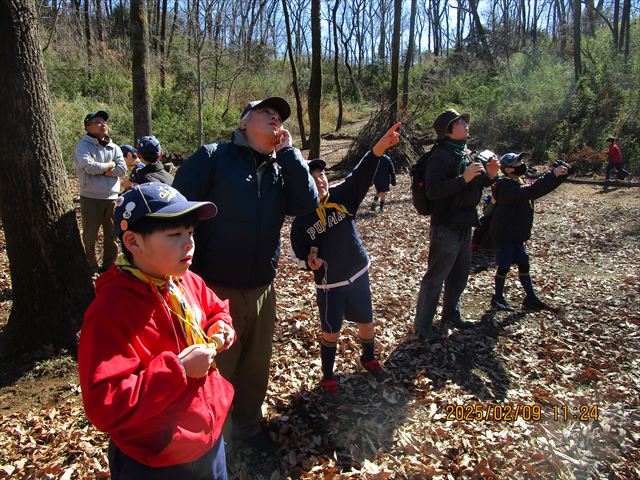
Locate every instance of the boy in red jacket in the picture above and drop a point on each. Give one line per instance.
(148, 342)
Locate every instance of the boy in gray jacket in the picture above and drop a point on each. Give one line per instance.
(99, 163)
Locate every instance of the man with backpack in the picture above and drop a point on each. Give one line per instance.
(453, 185)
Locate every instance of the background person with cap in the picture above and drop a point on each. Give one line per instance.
(150, 152)
(614, 155)
(131, 159)
(256, 179)
(99, 163)
(511, 224)
(454, 184)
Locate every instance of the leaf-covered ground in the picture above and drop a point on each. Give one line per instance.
(502, 374)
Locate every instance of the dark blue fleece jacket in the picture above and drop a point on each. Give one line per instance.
(337, 240)
(240, 247)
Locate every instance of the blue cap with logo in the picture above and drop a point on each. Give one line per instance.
(148, 147)
(157, 200)
(128, 149)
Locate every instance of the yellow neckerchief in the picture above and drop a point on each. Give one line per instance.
(324, 204)
(188, 313)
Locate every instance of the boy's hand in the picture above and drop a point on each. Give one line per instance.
(127, 184)
(283, 139)
(560, 170)
(227, 332)
(388, 140)
(314, 262)
(196, 360)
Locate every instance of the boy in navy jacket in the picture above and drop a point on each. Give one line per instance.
(384, 179)
(327, 242)
(511, 225)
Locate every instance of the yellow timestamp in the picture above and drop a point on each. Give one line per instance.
(511, 412)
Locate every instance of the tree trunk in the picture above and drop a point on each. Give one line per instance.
(163, 39)
(408, 61)
(336, 75)
(87, 37)
(294, 77)
(395, 59)
(315, 82)
(480, 31)
(140, 69)
(616, 19)
(50, 277)
(99, 33)
(577, 15)
(625, 29)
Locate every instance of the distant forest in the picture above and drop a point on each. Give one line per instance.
(553, 77)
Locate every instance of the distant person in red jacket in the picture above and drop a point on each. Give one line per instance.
(148, 343)
(615, 160)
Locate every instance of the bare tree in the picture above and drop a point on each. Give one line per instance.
(315, 82)
(395, 59)
(50, 276)
(294, 77)
(577, 16)
(336, 75)
(140, 69)
(408, 61)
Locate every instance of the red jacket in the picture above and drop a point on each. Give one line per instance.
(133, 385)
(614, 154)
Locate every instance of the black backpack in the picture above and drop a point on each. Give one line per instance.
(418, 184)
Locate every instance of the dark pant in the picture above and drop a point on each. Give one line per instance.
(246, 363)
(449, 264)
(622, 173)
(211, 466)
(98, 213)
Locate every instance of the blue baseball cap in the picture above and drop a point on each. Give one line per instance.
(128, 149)
(148, 147)
(508, 159)
(156, 200)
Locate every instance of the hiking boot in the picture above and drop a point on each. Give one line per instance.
(374, 368)
(534, 303)
(459, 323)
(373, 207)
(330, 391)
(499, 303)
(261, 442)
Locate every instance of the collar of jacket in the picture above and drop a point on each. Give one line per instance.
(239, 139)
(105, 143)
(153, 167)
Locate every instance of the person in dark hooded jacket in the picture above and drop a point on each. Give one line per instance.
(511, 224)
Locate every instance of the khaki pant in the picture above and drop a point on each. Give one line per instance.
(98, 213)
(246, 363)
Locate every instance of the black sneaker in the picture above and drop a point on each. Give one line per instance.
(534, 303)
(460, 324)
(261, 443)
(500, 304)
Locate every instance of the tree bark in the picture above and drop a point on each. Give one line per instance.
(140, 69)
(87, 37)
(395, 59)
(336, 75)
(163, 39)
(294, 77)
(315, 82)
(577, 15)
(408, 61)
(50, 277)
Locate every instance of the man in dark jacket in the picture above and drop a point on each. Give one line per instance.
(384, 179)
(511, 224)
(454, 185)
(259, 178)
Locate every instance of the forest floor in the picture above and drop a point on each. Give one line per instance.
(521, 395)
